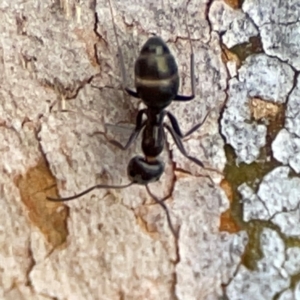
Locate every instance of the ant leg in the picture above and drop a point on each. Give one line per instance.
(120, 54)
(165, 197)
(132, 93)
(163, 205)
(138, 127)
(177, 129)
(181, 148)
(192, 70)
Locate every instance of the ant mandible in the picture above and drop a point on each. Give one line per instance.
(157, 84)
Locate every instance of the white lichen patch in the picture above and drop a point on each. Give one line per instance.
(277, 200)
(253, 207)
(286, 146)
(292, 123)
(292, 262)
(269, 278)
(263, 77)
(279, 192)
(270, 77)
(233, 25)
(278, 25)
(286, 149)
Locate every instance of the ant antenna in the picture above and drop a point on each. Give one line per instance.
(191, 51)
(105, 186)
(120, 54)
(98, 186)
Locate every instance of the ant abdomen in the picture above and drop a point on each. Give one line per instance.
(156, 74)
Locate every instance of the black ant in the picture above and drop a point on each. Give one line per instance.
(157, 84)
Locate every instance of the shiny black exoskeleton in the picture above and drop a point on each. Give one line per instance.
(156, 74)
(157, 84)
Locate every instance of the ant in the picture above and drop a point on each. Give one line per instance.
(157, 84)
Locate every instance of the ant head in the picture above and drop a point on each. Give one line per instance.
(141, 171)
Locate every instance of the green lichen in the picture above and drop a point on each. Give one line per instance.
(244, 50)
(252, 174)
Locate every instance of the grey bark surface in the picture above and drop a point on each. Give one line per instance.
(116, 244)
